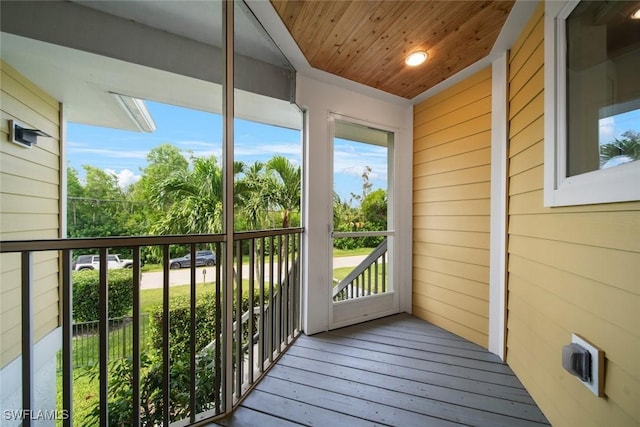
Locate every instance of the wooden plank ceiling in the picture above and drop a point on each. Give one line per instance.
(367, 41)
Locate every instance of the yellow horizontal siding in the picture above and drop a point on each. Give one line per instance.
(453, 178)
(441, 314)
(12, 165)
(460, 192)
(462, 88)
(526, 160)
(451, 169)
(463, 129)
(453, 253)
(472, 110)
(449, 164)
(461, 207)
(29, 207)
(459, 284)
(478, 223)
(570, 270)
(474, 93)
(459, 146)
(528, 136)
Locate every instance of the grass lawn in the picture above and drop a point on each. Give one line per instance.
(153, 297)
(337, 253)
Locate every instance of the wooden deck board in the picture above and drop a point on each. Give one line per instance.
(396, 371)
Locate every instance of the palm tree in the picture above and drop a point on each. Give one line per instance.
(252, 195)
(628, 146)
(284, 188)
(197, 196)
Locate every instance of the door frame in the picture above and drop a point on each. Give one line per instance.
(345, 313)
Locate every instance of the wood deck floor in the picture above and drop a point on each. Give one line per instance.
(396, 371)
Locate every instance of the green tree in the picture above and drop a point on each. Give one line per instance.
(628, 145)
(99, 208)
(163, 161)
(374, 210)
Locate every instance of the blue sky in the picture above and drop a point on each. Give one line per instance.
(200, 133)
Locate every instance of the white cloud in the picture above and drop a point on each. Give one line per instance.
(190, 145)
(268, 149)
(349, 163)
(125, 177)
(607, 130)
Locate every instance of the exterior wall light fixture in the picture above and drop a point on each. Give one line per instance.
(23, 136)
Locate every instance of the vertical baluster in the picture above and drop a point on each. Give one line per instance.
(287, 303)
(384, 273)
(252, 248)
(262, 325)
(280, 296)
(192, 335)
(375, 272)
(67, 338)
(296, 288)
(136, 337)
(27, 335)
(218, 330)
(369, 281)
(238, 319)
(166, 383)
(271, 301)
(104, 339)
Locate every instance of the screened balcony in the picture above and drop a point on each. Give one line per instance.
(255, 368)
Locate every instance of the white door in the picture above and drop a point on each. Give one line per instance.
(362, 267)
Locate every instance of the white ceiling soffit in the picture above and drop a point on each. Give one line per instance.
(85, 83)
(154, 45)
(131, 57)
(195, 20)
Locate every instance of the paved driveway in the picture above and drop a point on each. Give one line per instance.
(182, 276)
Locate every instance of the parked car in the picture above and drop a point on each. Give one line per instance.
(92, 262)
(204, 257)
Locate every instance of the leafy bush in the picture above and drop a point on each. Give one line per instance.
(179, 332)
(179, 313)
(86, 294)
(151, 408)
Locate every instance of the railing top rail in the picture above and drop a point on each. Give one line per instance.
(105, 242)
(256, 234)
(7, 246)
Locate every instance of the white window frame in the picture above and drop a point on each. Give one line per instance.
(617, 184)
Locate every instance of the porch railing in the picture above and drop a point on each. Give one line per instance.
(367, 278)
(262, 296)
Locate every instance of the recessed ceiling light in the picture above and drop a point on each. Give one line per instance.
(416, 58)
(636, 14)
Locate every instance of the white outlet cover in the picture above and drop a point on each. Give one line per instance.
(596, 385)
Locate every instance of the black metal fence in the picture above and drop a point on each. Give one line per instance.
(86, 340)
